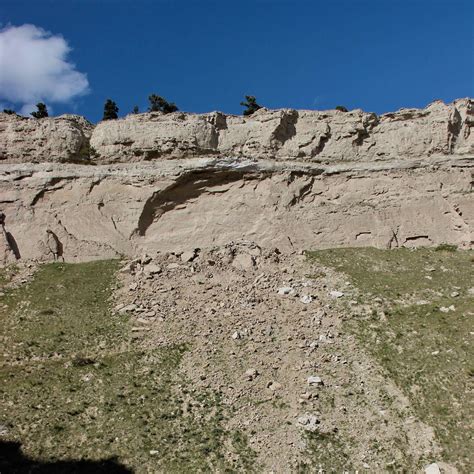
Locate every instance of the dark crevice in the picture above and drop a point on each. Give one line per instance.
(416, 237)
(41, 194)
(286, 129)
(454, 129)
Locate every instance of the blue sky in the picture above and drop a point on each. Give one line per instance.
(378, 55)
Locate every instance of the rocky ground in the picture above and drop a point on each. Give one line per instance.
(266, 372)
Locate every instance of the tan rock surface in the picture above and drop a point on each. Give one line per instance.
(284, 178)
(290, 134)
(106, 211)
(306, 135)
(64, 139)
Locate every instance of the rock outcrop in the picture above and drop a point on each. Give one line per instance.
(290, 134)
(108, 211)
(61, 139)
(289, 179)
(305, 135)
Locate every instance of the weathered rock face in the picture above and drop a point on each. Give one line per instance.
(313, 180)
(321, 136)
(63, 139)
(286, 134)
(107, 211)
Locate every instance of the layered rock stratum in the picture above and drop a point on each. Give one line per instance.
(284, 178)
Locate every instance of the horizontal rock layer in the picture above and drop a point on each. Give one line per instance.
(290, 179)
(111, 210)
(304, 135)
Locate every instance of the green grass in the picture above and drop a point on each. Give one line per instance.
(7, 273)
(427, 352)
(326, 453)
(75, 384)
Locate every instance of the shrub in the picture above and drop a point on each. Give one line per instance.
(251, 104)
(9, 111)
(159, 104)
(42, 111)
(135, 110)
(341, 108)
(110, 110)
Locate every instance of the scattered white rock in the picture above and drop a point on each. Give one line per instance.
(454, 294)
(432, 469)
(309, 422)
(445, 309)
(336, 294)
(130, 308)
(188, 256)
(236, 335)
(129, 267)
(305, 299)
(285, 290)
(251, 374)
(153, 269)
(274, 386)
(315, 380)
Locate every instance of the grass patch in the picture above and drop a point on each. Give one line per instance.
(326, 454)
(75, 384)
(446, 248)
(426, 351)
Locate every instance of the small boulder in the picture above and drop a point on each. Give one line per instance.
(188, 256)
(432, 469)
(153, 269)
(309, 422)
(251, 374)
(243, 261)
(314, 380)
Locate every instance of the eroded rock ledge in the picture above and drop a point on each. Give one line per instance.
(284, 178)
(111, 210)
(286, 134)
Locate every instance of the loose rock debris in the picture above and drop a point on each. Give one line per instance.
(266, 335)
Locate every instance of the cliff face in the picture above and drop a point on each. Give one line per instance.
(60, 139)
(291, 134)
(289, 179)
(329, 136)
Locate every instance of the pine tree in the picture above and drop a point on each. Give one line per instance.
(159, 104)
(42, 111)
(251, 105)
(110, 110)
(135, 110)
(9, 111)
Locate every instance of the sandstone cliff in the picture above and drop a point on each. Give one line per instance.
(63, 139)
(289, 179)
(304, 135)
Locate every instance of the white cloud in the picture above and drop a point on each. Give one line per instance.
(34, 67)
